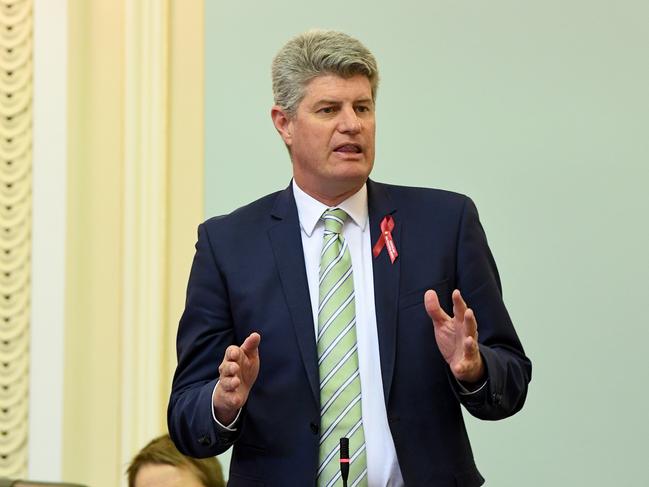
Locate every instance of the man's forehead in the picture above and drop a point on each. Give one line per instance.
(332, 87)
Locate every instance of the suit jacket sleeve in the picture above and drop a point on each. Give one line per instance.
(508, 369)
(204, 332)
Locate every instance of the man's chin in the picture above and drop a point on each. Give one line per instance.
(352, 169)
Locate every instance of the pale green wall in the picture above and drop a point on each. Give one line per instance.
(540, 112)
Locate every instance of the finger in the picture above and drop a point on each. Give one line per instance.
(459, 306)
(232, 353)
(222, 369)
(434, 310)
(471, 349)
(228, 369)
(232, 369)
(230, 357)
(229, 384)
(470, 324)
(251, 344)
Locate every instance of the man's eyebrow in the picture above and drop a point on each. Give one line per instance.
(338, 102)
(327, 102)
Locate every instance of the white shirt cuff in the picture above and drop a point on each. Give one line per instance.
(466, 392)
(229, 427)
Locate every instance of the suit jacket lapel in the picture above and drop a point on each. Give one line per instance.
(386, 281)
(286, 241)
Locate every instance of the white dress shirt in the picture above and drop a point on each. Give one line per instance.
(382, 465)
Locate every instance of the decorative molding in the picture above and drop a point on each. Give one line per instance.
(145, 224)
(15, 231)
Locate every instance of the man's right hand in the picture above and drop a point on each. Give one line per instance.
(237, 374)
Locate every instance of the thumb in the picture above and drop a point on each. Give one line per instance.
(250, 346)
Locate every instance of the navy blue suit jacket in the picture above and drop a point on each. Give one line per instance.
(249, 275)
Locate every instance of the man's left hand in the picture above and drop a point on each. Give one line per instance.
(457, 337)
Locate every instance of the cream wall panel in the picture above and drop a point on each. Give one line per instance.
(92, 391)
(48, 243)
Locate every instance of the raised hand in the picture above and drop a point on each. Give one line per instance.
(457, 337)
(237, 374)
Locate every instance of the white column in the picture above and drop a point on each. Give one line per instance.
(144, 395)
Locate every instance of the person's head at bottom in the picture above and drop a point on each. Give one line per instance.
(160, 464)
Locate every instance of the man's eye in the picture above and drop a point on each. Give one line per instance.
(362, 108)
(327, 110)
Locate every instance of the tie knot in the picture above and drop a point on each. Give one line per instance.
(333, 220)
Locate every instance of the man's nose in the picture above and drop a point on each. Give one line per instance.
(349, 121)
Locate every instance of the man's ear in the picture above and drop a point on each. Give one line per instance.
(282, 123)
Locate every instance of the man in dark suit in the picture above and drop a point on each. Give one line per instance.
(339, 307)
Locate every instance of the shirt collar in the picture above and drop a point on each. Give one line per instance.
(310, 210)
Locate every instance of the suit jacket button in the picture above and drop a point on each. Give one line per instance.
(315, 428)
(204, 440)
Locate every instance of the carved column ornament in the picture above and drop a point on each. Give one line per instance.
(15, 230)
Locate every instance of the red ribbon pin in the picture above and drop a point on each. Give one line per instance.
(385, 240)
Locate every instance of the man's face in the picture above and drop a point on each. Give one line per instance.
(331, 136)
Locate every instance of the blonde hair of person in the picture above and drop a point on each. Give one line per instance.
(162, 451)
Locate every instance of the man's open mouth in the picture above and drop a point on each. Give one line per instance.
(349, 148)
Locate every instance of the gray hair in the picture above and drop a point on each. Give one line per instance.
(315, 53)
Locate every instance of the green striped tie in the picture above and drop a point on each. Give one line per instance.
(340, 383)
